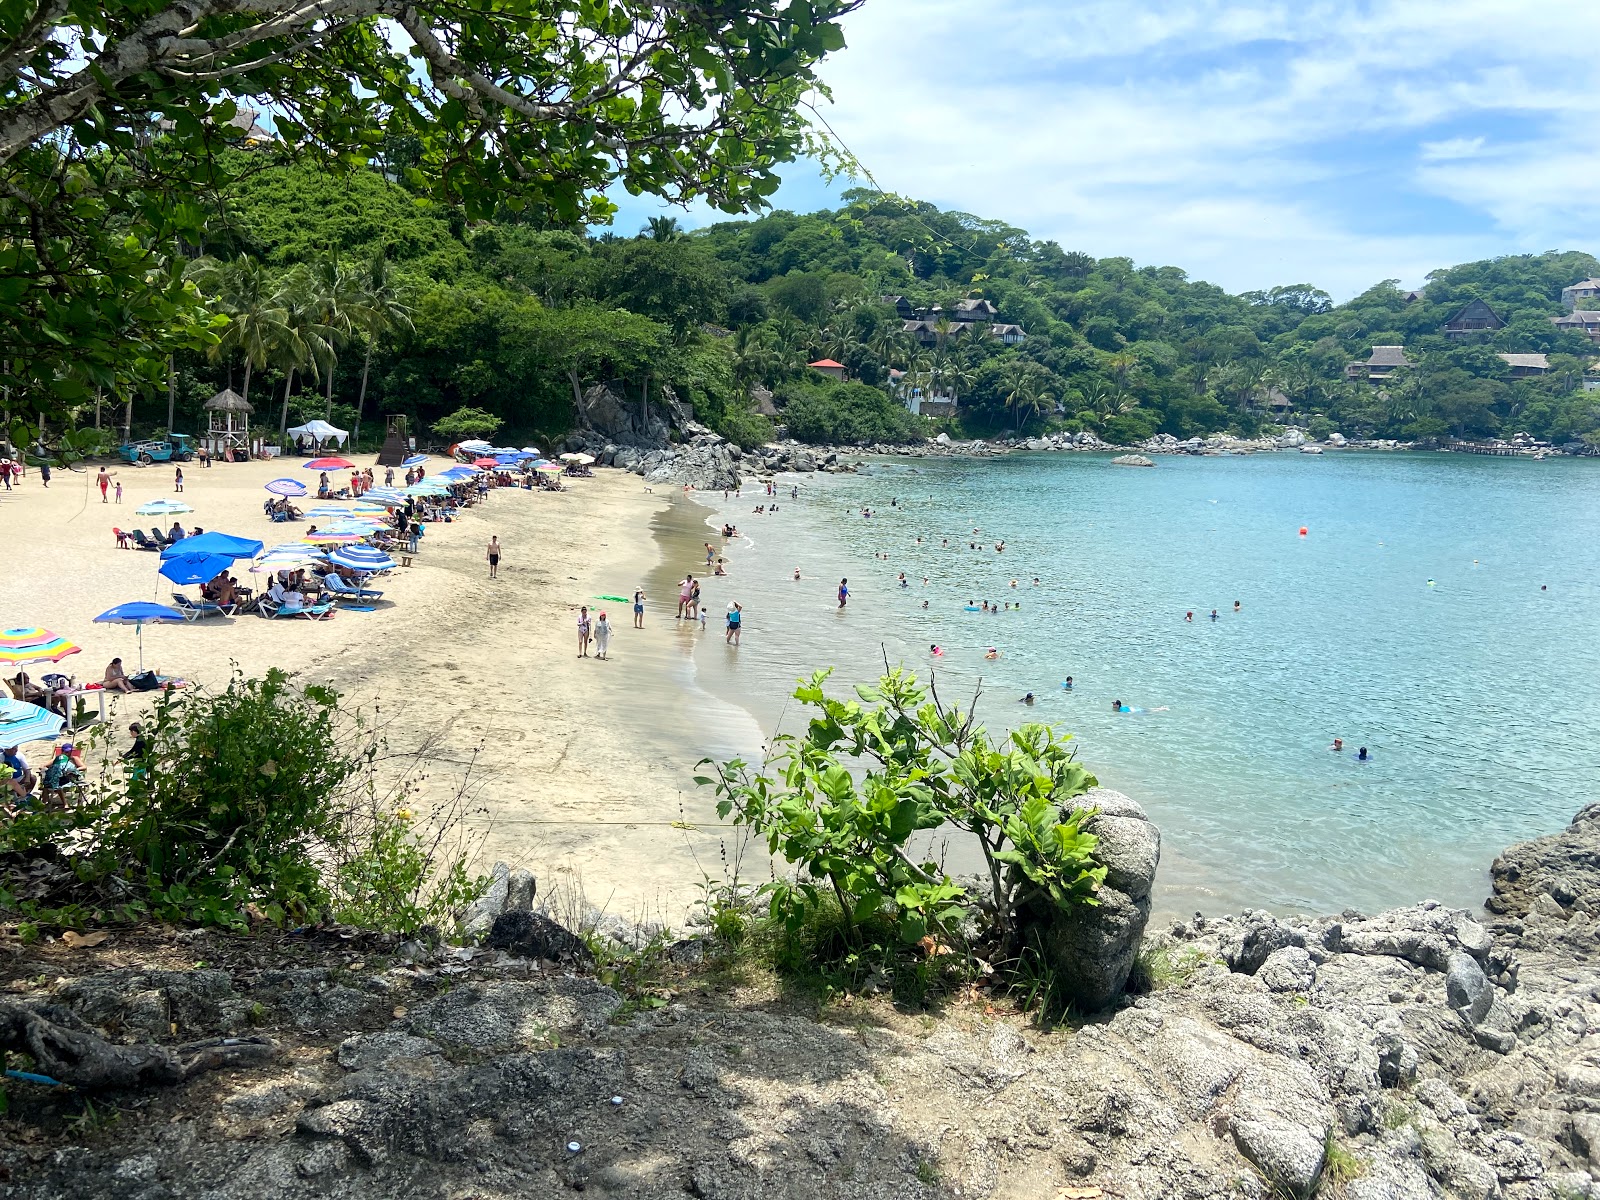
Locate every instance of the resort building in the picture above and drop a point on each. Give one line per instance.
(1524, 365)
(902, 307)
(1474, 319)
(833, 370)
(975, 310)
(1383, 362)
(1579, 295)
(1584, 321)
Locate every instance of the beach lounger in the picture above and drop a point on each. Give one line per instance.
(347, 591)
(141, 541)
(194, 611)
(161, 540)
(272, 610)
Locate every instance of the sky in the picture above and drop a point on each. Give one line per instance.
(1330, 142)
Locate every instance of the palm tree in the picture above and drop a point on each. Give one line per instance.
(334, 294)
(380, 308)
(302, 343)
(1021, 389)
(242, 291)
(664, 229)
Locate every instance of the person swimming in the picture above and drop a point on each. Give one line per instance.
(924, 604)
(1213, 614)
(1028, 699)
(991, 654)
(936, 650)
(1189, 616)
(1116, 706)
(1338, 744)
(1361, 755)
(1235, 606)
(797, 574)
(1066, 684)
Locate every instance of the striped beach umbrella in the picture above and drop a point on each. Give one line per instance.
(33, 644)
(362, 558)
(327, 464)
(330, 538)
(286, 487)
(415, 460)
(21, 723)
(326, 511)
(427, 489)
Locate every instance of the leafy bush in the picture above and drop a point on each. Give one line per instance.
(847, 414)
(466, 423)
(264, 794)
(927, 765)
(745, 428)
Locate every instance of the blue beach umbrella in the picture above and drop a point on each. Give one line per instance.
(140, 613)
(415, 460)
(286, 487)
(224, 544)
(362, 558)
(195, 568)
(21, 723)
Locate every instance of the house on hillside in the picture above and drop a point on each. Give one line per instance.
(1477, 317)
(1419, 294)
(926, 330)
(1276, 402)
(1383, 362)
(1579, 295)
(1523, 365)
(1585, 321)
(902, 307)
(975, 310)
(1011, 335)
(833, 370)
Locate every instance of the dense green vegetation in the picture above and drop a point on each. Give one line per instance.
(515, 319)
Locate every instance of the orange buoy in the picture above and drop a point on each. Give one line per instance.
(1303, 531)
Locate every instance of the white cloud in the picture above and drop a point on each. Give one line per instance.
(1250, 143)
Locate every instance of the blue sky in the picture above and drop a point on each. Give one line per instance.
(1251, 143)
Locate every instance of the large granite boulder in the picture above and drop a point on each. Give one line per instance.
(1564, 866)
(1093, 948)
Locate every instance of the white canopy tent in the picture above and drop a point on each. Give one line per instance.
(319, 432)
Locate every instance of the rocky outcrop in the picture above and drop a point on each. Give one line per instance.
(1424, 1052)
(1564, 867)
(1132, 460)
(1093, 948)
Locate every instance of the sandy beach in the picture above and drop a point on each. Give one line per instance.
(579, 769)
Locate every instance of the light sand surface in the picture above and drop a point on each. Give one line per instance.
(581, 768)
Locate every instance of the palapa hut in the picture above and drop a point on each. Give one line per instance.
(228, 415)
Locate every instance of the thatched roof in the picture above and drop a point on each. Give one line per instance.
(228, 400)
(1388, 356)
(1534, 362)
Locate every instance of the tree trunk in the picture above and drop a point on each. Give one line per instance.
(327, 412)
(577, 398)
(283, 417)
(97, 396)
(361, 397)
(127, 420)
(246, 380)
(645, 396)
(172, 392)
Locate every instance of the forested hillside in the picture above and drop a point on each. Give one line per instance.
(512, 318)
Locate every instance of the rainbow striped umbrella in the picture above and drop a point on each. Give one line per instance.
(33, 644)
(330, 538)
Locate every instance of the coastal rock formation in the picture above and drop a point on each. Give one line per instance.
(1564, 867)
(1421, 1052)
(1093, 948)
(1132, 460)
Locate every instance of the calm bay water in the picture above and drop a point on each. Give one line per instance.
(1477, 695)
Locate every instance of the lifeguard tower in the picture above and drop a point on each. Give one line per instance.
(228, 432)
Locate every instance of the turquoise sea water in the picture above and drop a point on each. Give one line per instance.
(1477, 695)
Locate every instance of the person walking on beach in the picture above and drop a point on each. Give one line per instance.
(119, 491)
(177, 479)
(638, 608)
(584, 626)
(205, 456)
(844, 592)
(602, 636)
(735, 621)
(104, 480)
(44, 474)
(494, 557)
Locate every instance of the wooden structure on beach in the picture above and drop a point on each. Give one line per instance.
(396, 444)
(228, 423)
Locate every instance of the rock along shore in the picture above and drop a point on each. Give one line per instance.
(1421, 1052)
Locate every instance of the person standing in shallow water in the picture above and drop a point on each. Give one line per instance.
(638, 608)
(844, 592)
(494, 557)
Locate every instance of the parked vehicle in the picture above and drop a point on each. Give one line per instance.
(177, 448)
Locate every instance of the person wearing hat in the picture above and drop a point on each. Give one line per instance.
(64, 771)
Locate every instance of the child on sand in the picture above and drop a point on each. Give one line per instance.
(602, 636)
